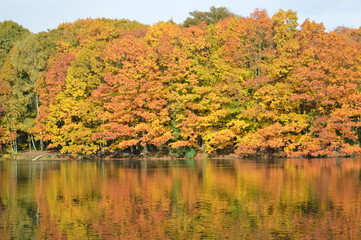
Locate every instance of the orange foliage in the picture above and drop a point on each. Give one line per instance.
(250, 85)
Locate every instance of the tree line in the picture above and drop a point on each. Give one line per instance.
(218, 83)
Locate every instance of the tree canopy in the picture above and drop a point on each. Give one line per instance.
(213, 16)
(10, 32)
(217, 84)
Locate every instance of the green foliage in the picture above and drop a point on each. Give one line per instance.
(188, 152)
(73, 116)
(251, 85)
(213, 16)
(10, 32)
(24, 65)
(32, 52)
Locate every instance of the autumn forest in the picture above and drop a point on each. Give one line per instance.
(218, 83)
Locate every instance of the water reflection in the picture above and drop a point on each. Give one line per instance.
(184, 199)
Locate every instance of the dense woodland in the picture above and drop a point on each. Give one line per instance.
(219, 84)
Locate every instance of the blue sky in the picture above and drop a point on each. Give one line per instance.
(40, 15)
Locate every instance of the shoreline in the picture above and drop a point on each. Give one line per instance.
(57, 156)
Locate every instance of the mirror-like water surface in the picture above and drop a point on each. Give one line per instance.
(184, 199)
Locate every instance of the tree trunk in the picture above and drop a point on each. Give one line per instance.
(200, 141)
(41, 145)
(32, 140)
(14, 146)
(145, 148)
(37, 114)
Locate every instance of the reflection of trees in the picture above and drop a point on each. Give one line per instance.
(215, 199)
(18, 210)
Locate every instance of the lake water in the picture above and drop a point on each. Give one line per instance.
(182, 199)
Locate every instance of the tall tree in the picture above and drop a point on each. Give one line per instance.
(29, 59)
(10, 32)
(48, 86)
(135, 108)
(11, 111)
(326, 75)
(74, 116)
(211, 17)
(276, 123)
